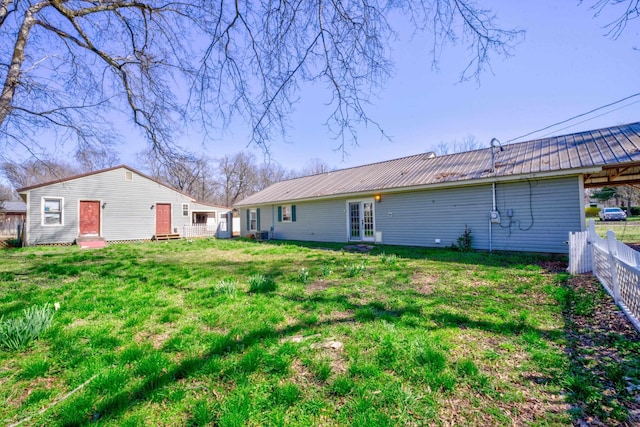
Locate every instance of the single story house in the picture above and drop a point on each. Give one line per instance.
(12, 215)
(116, 204)
(519, 197)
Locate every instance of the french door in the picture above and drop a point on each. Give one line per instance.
(361, 220)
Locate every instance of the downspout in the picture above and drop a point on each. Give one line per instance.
(493, 190)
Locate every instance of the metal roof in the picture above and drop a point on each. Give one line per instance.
(613, 146)
(15, 207)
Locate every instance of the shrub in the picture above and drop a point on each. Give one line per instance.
(16, 334)
(591, 212)
(463, 243)
(259, 283)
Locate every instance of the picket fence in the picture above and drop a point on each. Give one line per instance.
(615, 264)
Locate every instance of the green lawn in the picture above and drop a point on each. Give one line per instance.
(626, 231)
(232, 333)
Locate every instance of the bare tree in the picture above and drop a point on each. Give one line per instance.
(626, 10)
(270, 173)
(34, 171)
(237, 177)
(185, 172)
(67, 65)
(7, 194)
(469, 143)
(316, 166)
(629, 193)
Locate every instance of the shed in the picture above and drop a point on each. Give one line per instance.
(114, 204)
(12, 215)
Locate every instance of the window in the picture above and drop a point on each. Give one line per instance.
(52, 211)
(286, 213)
(253, 220)
(185, 209)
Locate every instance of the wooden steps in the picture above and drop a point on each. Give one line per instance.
(170, 236)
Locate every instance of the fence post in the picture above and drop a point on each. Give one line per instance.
(612, 248)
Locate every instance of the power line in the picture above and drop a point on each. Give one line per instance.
(575, 117)
(591, 118)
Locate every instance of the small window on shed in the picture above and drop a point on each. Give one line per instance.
(52, 211)
(185, 209)
(128, 176)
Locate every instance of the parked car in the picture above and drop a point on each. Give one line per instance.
(612, 214)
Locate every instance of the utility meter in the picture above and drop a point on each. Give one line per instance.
(495, 217)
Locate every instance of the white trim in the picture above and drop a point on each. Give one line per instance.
(252, 210)
(290, 212)
(583, 215)
(348, 218)
(42, 211)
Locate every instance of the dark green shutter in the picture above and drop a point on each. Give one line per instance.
(248, 220)
(258, 219)
(293, 213)
(279, 213)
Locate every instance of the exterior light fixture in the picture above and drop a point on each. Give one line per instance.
(152, 206)
(104, 205)
(377, 197)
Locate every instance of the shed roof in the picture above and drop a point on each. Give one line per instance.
(590, 150)
(13, 207)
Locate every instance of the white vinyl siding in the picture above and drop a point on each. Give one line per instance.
(127, 214)
(543, 213)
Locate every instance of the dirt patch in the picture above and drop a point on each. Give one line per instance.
(338, 316)
(424, 283)
(357, 248)
(319, 286)
(602, 345)
(554, 265)
(332, 349)
(156, 340)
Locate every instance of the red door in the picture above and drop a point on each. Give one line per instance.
(89, 217)
(163, 218)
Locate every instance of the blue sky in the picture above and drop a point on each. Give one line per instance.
(563, 67)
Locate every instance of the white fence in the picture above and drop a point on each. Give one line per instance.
(199, 230)
(615, 264)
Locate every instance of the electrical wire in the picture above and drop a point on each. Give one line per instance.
(575, 117)
(589, 119)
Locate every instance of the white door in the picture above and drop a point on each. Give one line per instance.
(361, 221)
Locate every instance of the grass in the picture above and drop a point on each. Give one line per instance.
(232, 333)
(626, 231)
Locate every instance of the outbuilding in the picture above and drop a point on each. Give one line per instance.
(116, 204)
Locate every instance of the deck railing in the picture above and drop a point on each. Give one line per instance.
(199, 230)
